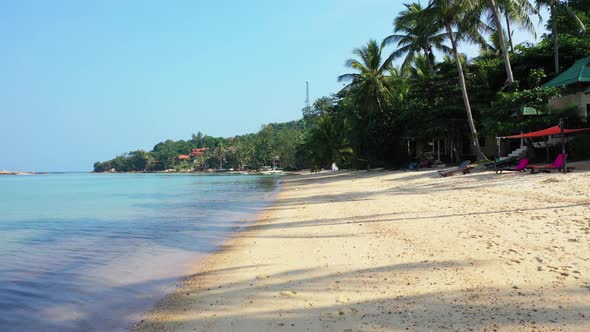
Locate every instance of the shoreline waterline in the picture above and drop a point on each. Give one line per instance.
(390, 251)
(204, 264)
(194, 268)
(92, 252)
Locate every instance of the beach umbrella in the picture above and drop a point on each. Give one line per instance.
(555, 130)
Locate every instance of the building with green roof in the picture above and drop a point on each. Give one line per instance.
(576, 83)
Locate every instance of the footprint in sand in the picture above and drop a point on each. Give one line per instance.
(342, 299)
(288, 293)
(342, 314)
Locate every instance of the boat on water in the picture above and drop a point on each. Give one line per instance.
(267, 170)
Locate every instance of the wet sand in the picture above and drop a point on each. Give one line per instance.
(400, 251)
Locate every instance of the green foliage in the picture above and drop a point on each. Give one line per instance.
(274, 143)
(132, 161)
(371, 120)
(579, 148)
(416, 32)
(368, 84)
(322, 106)
(504, 116)
(328, 142)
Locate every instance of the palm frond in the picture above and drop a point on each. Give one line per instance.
(347, 78)
(576, 18)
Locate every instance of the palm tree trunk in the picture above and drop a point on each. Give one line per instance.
(509, 34)
(428, 60)
(505, 55)
(379, 103)
(555, 38)
(474, 139)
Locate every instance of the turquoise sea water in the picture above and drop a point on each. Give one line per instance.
(90, 252)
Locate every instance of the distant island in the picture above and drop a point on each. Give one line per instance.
(16, 173)
(276, 145)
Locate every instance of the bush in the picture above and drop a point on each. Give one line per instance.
(579, 148)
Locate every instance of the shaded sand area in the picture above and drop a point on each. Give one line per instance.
(400, 251)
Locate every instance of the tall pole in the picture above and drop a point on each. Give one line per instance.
(555, 37)
(497, 153)
(563, 146)
(307, 105)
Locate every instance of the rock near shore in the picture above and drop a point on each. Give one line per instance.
(15, 173)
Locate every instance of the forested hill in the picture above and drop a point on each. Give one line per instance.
(278, 142)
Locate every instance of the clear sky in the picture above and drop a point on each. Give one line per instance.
(83, 81)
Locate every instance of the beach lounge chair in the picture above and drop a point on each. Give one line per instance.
(502, 163)
(426, 163)
(463, 168)
(417, 166)
(522, 164)
(557, 164)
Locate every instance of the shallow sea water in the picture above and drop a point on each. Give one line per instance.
(91, 252)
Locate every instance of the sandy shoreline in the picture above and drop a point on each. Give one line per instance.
(393, 251)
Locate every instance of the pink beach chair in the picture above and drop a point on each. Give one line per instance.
(557, 164)
(522, 164)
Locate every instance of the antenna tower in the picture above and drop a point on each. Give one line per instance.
(307, 94)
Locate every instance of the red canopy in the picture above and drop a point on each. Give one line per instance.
(556, 130)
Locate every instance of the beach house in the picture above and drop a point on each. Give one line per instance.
(199, 152)
(576, 93)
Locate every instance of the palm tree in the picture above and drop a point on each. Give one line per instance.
(491, 8)
(414, 32)
(454, 15)
(520, 15)
(369, 83)
(553, 4)
(420, 69)
(369, 90)
(492, 49)
(220, 153)
(327, 141)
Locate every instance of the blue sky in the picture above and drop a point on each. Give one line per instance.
(83, 81)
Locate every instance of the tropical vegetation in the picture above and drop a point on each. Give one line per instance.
(414, 86)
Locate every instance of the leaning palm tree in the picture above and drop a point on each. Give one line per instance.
(491, 49)
(414, 33)
(553, 4)
(461, 24)
(491, 8)
(370, 80)
(519, 15)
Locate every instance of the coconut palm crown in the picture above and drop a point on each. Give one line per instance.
(370, 82)
(415, 33)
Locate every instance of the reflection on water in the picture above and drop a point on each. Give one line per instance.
(89, 252)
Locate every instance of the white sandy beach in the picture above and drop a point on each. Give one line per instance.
(400, 251)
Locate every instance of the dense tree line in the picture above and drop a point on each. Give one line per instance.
(369, 122)
(274, 143)
(452, 97)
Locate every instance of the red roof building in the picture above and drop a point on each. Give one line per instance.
(199, 152)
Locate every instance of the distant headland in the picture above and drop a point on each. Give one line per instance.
(16, 173)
